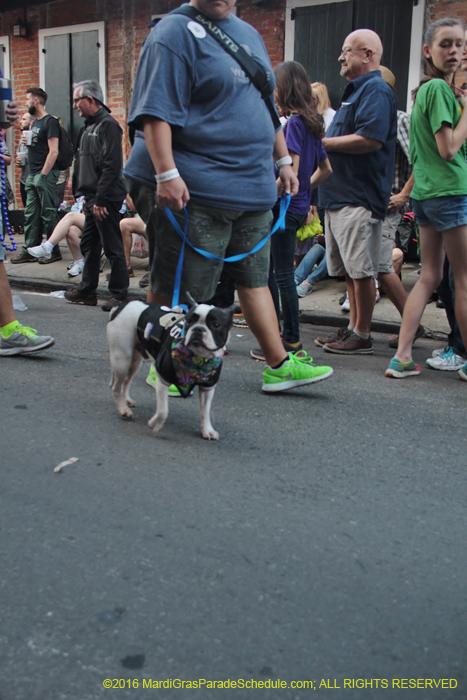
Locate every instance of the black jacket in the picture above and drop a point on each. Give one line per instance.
(99, 161)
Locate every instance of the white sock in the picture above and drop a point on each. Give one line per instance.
(81, 260)
(48, 247)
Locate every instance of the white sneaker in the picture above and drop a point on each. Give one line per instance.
(76, 268)
(346, 305)
(39, 251)
(440, 351)
(68, 267)
(449, 361)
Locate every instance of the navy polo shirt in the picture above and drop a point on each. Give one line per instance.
(368, 108)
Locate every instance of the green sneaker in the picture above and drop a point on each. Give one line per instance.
(151, 379)
(295, 371)
(24, 340)
(401, 370)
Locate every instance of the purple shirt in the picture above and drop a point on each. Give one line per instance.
(310, 149)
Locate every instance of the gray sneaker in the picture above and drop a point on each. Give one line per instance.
(304, 288)
(24, 340)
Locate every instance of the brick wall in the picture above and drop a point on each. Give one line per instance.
(126, 28)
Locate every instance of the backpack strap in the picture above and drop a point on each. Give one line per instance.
(251, 67)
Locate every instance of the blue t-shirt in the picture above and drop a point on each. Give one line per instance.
(310, 149)
(222, 133)
(139, 164)
(368, 108)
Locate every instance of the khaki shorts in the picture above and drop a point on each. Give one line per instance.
(223, 232)
(390, 224)
(353, 242)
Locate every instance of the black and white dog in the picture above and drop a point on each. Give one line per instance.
(187, 350)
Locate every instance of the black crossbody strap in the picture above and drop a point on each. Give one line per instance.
(252, 68)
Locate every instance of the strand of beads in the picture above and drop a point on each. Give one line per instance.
(4, 204)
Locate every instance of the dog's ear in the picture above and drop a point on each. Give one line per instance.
(191, 301)
(231, 310)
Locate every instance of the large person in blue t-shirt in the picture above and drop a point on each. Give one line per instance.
(361, 144)
(211, 139)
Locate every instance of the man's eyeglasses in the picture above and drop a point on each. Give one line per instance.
(77, 99)
(347, 49)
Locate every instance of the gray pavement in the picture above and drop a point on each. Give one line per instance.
(321, 539)
(321, 307)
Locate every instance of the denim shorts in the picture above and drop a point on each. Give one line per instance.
(222, 232)
(443, 213)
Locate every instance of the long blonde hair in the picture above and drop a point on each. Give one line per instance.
(320, 91)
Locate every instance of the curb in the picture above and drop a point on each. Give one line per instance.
(318, 319)
(50, 286)
(313, 318)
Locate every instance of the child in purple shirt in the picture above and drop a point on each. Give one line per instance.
(303, 132)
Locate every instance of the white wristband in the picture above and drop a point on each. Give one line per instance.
(168, 175)
(286, 160)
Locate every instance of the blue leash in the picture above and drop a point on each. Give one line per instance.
(280, 224)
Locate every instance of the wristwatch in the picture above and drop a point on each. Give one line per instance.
(44, 177)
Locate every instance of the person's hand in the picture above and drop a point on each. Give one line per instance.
(173, 194)
(396, 201)
(321, 239)
(100, 212)
(289, 180)
(312, 214)
(12, 112)
(19, 162)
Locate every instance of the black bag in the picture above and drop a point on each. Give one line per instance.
(65, 148)
(406, 237)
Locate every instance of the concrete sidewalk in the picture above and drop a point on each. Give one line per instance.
(319, 308)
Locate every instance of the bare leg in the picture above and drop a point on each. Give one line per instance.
(61, 229)
(73, 238)
(7, 313)
(260, 314)
(352, 302)
(397, 260)
(391, 285)
(365, 293)
(153, 298)
(432, 256)
(127, 227)
(455, 243)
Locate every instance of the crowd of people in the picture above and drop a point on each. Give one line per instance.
(203, 134)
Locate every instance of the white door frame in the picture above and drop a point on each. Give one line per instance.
(72, 29)
(416, 41)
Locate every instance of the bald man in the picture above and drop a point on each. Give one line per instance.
(361, 146)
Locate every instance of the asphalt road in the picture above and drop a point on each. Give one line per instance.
(321, 539)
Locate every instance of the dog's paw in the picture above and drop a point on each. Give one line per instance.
(210, 434)
(156, 424)
(126, 414)
(130, 402)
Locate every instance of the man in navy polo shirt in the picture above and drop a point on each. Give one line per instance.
(361, 145)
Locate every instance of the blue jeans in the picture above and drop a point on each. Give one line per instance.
(281, 275)
(315, 256)
(447, 294)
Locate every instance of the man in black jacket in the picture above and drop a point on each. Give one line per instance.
(98, 177)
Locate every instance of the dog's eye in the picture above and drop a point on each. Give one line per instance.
(216, 324)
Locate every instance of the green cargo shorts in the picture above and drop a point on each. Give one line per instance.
(224, 233)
